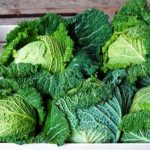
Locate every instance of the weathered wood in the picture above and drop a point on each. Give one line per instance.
(37, 7)
(14, 11)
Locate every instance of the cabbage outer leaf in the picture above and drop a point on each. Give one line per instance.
(17, 119)
(141, 100)
(56, 128)
(98, 124)
(134, 12)
(136, 137)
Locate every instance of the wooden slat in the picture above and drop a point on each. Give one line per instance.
(37, 7)
(14, 11)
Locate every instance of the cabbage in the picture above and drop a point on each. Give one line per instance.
(136, 127)
(17, 118)
(133, 13)
(52, 52)
(44, 41)
(136, 124)
(126, 48)
(141, 100)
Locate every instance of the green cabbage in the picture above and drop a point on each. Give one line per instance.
(136, 127)
(52, 52)
(126, 48)
(90, 29)
(27, 32)
(17, 118)
(141, 100)
(133, 13)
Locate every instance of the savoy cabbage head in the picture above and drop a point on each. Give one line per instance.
(38, 43)
(133, 13)
(52, 52)
(17, 119)
(126, 48)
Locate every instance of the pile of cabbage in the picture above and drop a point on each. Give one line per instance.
(77, 80)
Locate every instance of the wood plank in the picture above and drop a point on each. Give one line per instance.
(36, 7)
(13, 11)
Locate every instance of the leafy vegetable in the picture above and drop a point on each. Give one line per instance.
(136, 137)
(47, 50)
(98, 124)
(133, 13)
(77, 80)
(127, 48)
(17, 119)
(56, 127)
(18, 70)
(52, 52)
(58, 84)
(136, 72)
(91, 30)
(87, 65)
(141, 100)
(45, 25)
(135, 127)
(35, 100)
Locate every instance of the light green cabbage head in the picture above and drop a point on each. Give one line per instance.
(17, 118)
(141, 100)
(51, 52)
(126, 48)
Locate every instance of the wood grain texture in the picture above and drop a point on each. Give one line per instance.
(14, 11)
(37, 7)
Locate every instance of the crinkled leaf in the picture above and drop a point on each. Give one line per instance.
(98, 124)
(136, 127)
(33, 98)
(135, 122)
(134, 12)
(59, 83)
(115, 77)
(91, 30)
(17, 119)
(141, 100)
(92, 91)
(144, 81)
(124, 93)
(8, 84)
(51, 52)
(56, 128)
(127, 48)
(85, 63)
(136, 137)
(138, 71)
(20, 70)
(20, 39)
(99, 134)
(45, 25)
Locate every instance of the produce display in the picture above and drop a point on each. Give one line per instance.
(80, 79)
